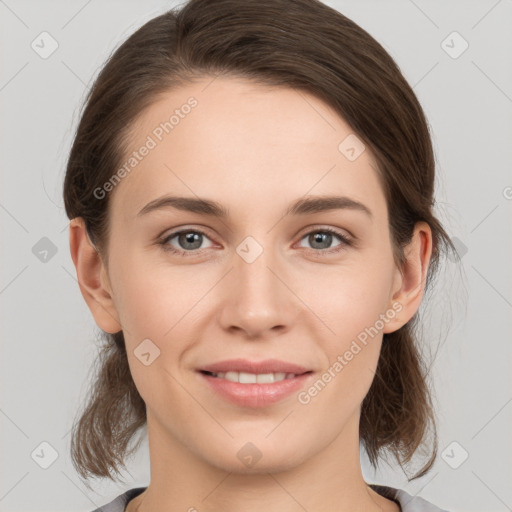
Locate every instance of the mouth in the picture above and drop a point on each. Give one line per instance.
(253, 378)
(254, 384)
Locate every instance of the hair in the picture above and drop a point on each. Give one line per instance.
(300, 44)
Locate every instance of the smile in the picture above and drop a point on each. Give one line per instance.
(253, 378)
(252, 383)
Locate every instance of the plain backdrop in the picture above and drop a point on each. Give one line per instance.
(48, 337)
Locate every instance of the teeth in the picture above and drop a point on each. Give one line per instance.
(245, 378)
(253, 378)
(267, 378)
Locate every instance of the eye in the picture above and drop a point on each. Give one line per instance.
(321, 239)
(188, 240)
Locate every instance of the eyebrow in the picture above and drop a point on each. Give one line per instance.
(304, 206)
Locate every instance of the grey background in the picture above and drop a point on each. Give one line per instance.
(47, 332)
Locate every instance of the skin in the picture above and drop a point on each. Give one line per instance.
(255, 150)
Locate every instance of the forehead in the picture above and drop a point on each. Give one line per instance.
(243, 144)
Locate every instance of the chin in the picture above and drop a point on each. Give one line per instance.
(256, 457)
(265, 465)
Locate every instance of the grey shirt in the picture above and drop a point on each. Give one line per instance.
(406, 502)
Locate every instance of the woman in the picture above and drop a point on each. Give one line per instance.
(282, 143)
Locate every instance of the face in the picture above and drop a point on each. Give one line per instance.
(309, 288)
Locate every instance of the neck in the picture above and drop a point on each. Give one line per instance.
(330, 480)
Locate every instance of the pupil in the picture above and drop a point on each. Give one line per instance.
(191, 238)
(322, 237)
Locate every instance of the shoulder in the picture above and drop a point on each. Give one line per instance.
(119, 503)
(407, 502)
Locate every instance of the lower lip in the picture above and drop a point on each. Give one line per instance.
(256, 395)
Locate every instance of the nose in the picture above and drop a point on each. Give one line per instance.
(259, 301)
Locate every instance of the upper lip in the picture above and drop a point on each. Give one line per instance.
(256, 367)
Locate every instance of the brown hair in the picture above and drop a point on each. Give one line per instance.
(311, 47)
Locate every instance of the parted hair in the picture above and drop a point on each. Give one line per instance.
(308, 46)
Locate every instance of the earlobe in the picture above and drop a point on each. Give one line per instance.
(407, 298)
(92, 277)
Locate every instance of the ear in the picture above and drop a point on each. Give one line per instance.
(92, 277)
(409, 282)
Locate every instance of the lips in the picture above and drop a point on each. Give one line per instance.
(253, 378)
(254, 383)
(255, 367)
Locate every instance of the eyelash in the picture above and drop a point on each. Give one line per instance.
(345, 242)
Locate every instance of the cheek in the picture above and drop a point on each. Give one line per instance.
(349, 300)
(159, 303)
(151, 296)
(351, 308)
(351, 319)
